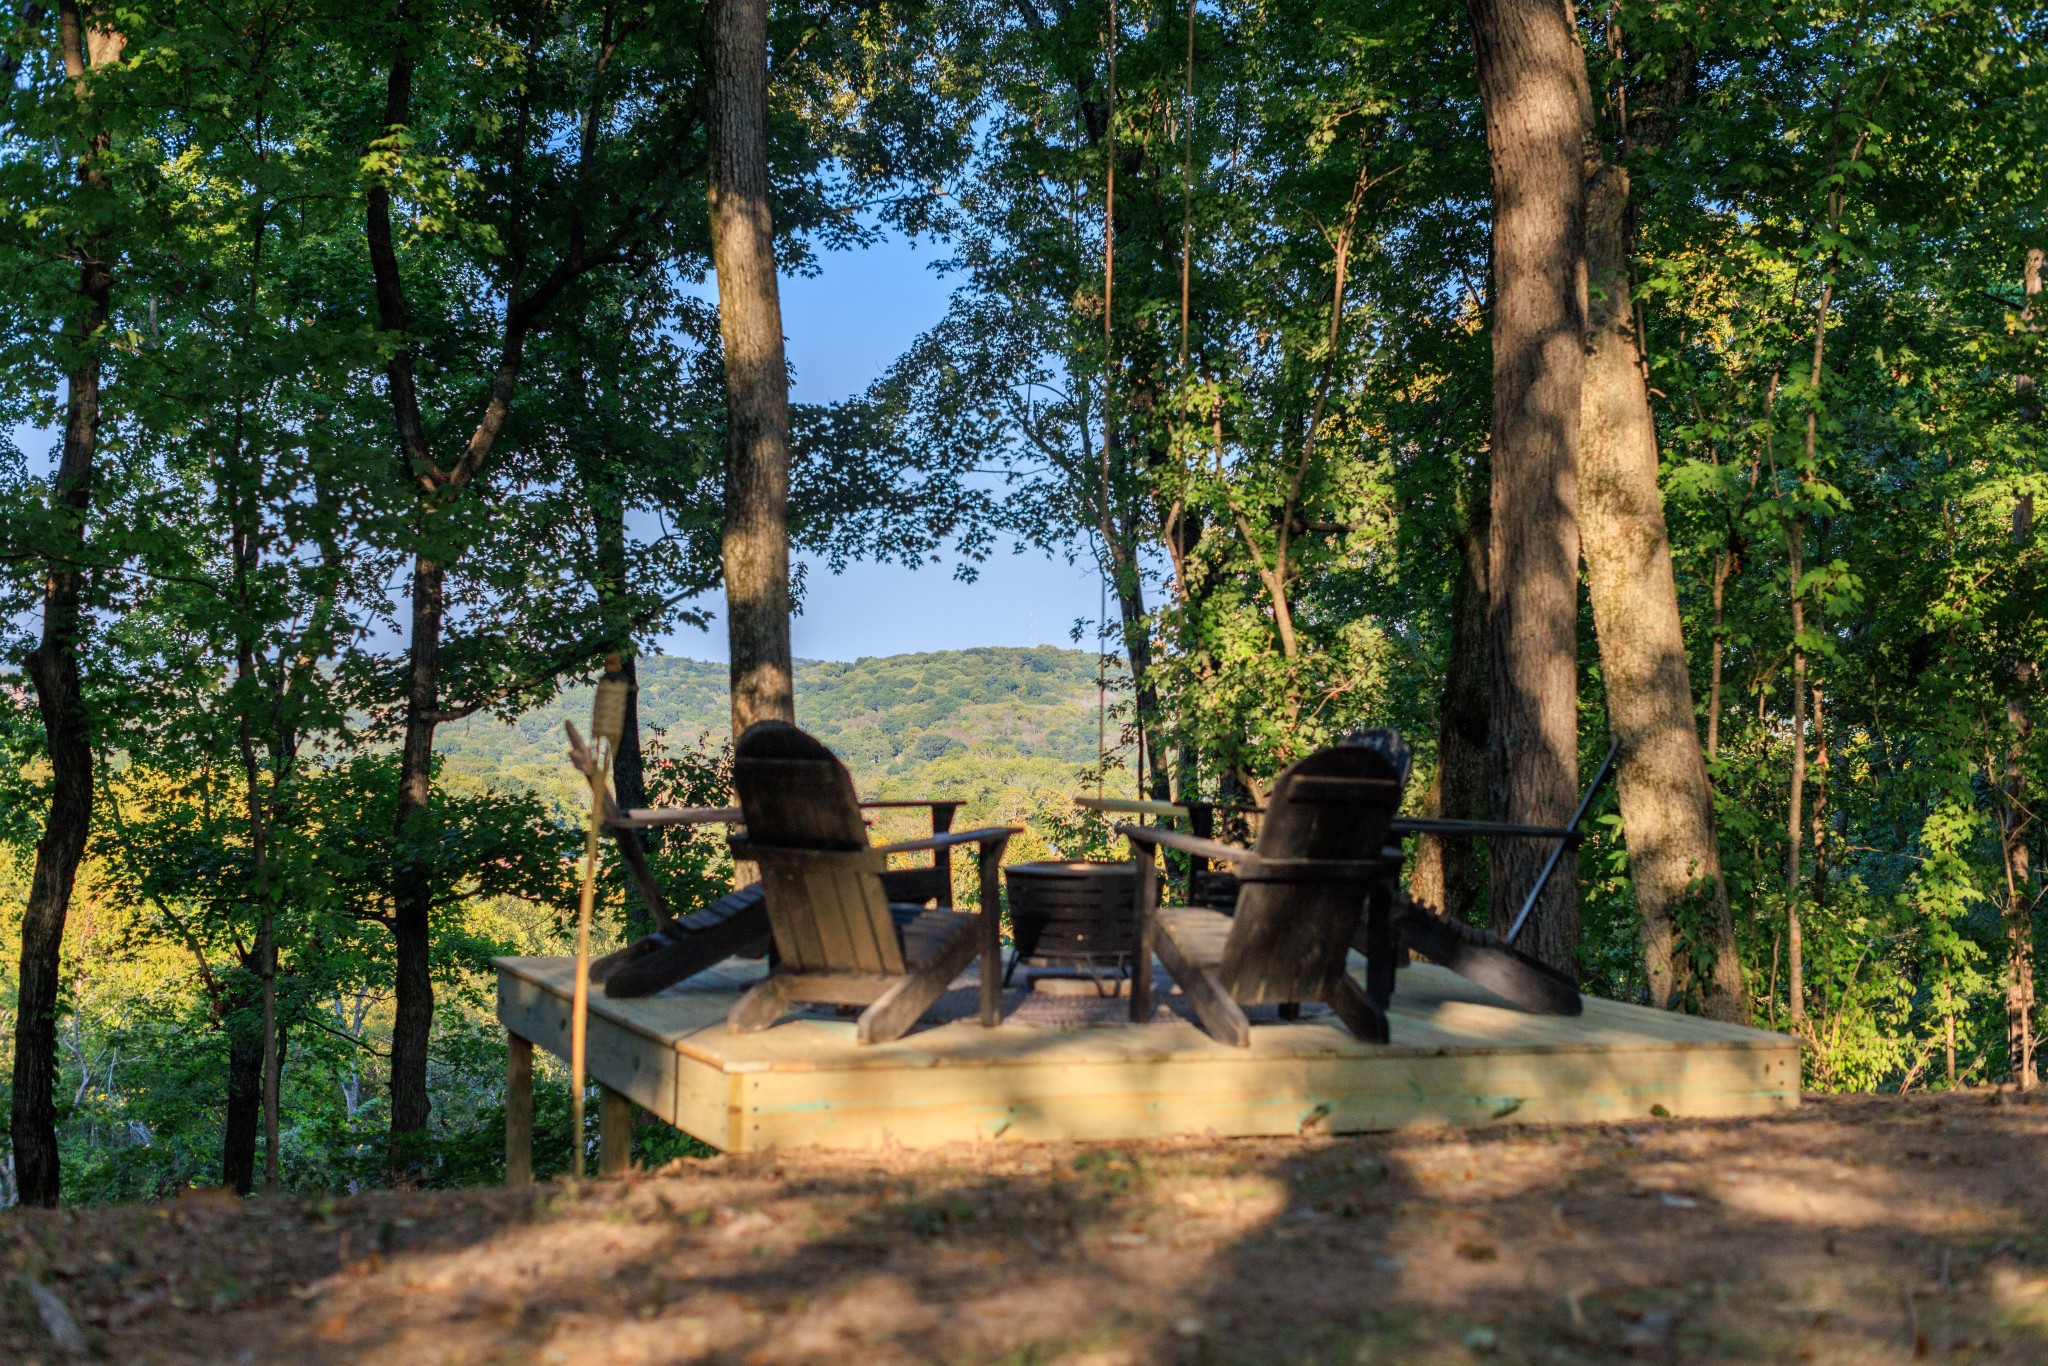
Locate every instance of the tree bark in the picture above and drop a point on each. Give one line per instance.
(1531, 77)
(1137, 637)
(244, 1107)
(629, 767)
(629, 787)
(53, 670)
(1667, 805)
(756, 547)
(412, 893)
(1445, 875)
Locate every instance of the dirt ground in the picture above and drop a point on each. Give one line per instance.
(1854, 1230)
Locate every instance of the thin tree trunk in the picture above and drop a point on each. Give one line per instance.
(629, 769)
(1817, 822)
(2016, 820)
(1724, 566)
(629, 784)
(2015, 823)
(412, 891)
(756, 546)
(53, 670)
(1667, 805)
(1795, 567)
(1795, 959)
(1531, 76)
(1795, 561)
(1948, 1030)
(412, 896)
(1445, 874)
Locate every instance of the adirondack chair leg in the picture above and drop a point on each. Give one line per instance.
(907, 999)
(759, 1008)
(1147, 913)
(1360, 1014)
(992, 981)
(1222, 1017)
(1380, 954)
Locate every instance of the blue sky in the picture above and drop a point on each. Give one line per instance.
(845, 326)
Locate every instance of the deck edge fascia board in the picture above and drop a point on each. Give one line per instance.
(909, 1055)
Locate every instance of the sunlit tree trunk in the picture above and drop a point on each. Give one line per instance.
(1531, 78)
(1667, 806)
(756, 547)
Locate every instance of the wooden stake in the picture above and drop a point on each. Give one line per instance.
(607, 725)
(579, 1017)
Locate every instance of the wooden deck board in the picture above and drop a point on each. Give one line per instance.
(1455, 1058)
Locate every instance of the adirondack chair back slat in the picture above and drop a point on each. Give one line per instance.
(1288, 939)
(828, 915)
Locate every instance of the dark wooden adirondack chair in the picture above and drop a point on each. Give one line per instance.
(828, 906)
(735, 925)
(1321, 863)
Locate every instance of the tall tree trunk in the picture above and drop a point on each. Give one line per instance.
(1445, 875)
(1667, 806)
(53, 671)
(433, 487)
(1531, 76)
(1795, 942)
(2014, 824)
(1795, 569)
(411, 892)
(756, 548)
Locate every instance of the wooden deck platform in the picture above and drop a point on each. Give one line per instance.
(1455, 1060)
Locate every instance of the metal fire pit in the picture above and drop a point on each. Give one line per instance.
(1078, 913)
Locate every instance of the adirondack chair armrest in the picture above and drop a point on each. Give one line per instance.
(1187, 844)
(950, 839)
(651, 817)
(1128, 807)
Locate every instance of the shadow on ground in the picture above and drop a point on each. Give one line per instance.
(1855, 1230)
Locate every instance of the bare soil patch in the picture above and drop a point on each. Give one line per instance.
(1855, 1230)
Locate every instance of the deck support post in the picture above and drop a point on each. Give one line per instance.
(518, 1110)
(614, 1133)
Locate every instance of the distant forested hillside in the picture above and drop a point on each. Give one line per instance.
(887, 717)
